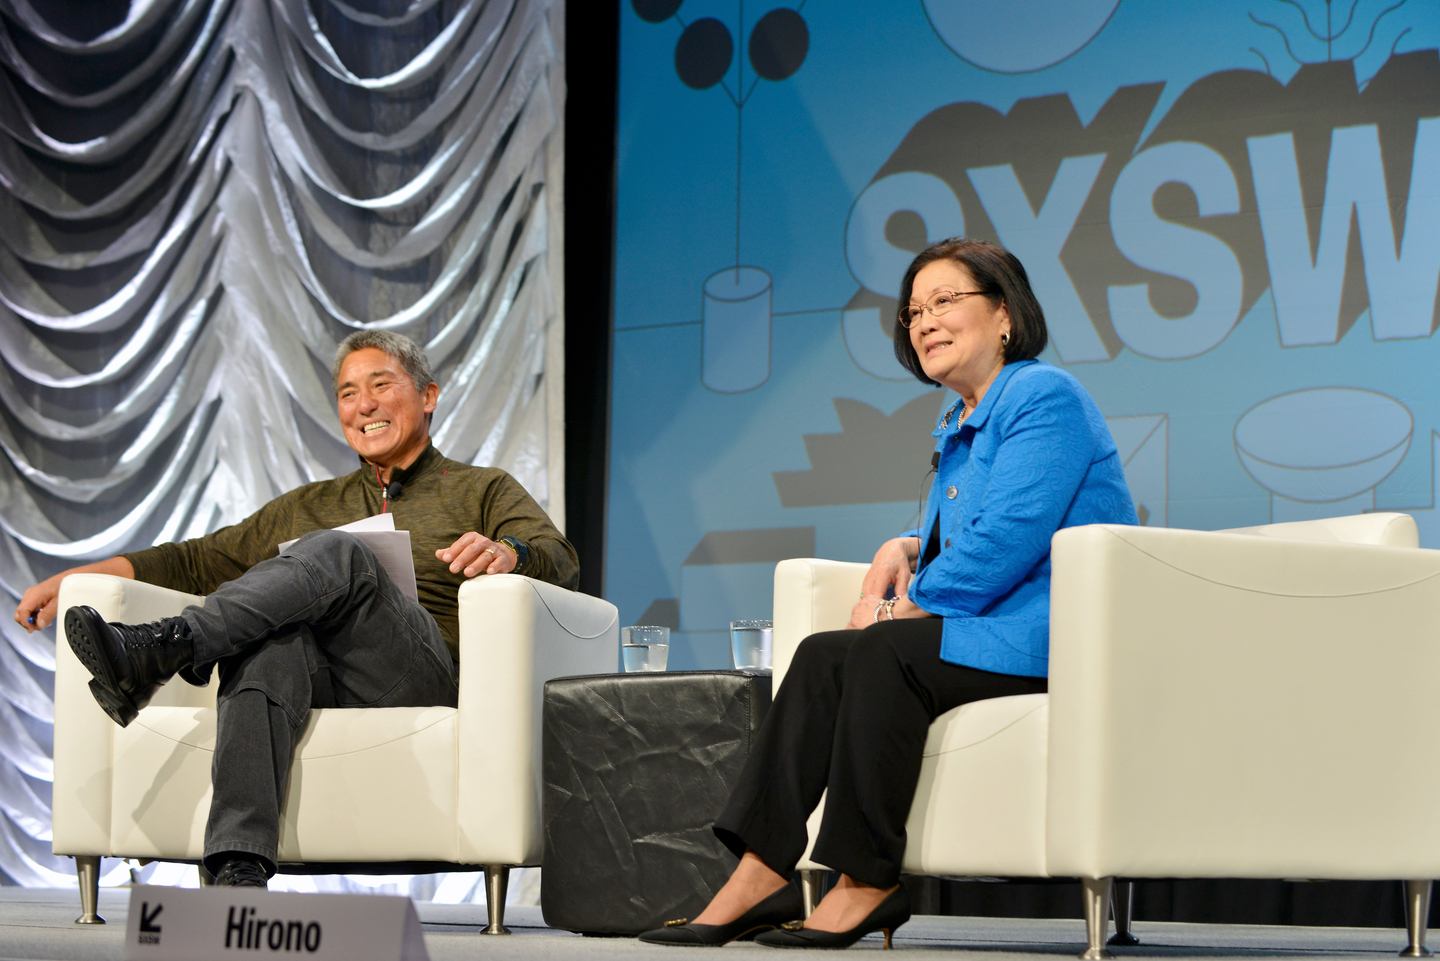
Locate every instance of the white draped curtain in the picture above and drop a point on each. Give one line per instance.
(198, 200)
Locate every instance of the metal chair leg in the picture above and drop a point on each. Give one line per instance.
(87, 872)
(497, 879)
(1122, 907)
(1097, 918)
(1417, 918)
(810, 892)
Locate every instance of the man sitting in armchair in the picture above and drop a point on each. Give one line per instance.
(319, 624)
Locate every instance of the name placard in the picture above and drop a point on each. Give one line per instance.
(220, 923)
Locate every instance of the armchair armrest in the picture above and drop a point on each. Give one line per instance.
(516, 634)
(1224, 705)
(84, 733)
(811, 595)
(1394, 530)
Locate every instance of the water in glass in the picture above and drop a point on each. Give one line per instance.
(750, 645)
(645, 648)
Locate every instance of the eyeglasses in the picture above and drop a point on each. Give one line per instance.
(941, 302)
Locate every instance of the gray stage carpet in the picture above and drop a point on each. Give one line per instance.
(37, 924)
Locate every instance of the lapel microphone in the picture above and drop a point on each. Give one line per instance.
(388, 492)
(934, 461)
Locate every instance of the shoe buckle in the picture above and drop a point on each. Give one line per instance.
(677, 922)
(792, 926)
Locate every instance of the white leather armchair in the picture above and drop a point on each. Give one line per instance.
(1251, 703)
(436, 785)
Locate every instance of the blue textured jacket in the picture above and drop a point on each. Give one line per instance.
(1034, 457)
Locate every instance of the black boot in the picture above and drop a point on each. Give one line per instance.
(128, 662)
(243, 872)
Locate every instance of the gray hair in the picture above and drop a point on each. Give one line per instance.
(410, 355)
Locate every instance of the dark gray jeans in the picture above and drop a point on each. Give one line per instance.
(322, 625)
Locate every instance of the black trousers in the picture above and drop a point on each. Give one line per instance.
(851, 718)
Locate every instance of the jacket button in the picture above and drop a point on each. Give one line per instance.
(951, 492)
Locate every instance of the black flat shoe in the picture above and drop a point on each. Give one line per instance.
(784, 905)
(887, 916)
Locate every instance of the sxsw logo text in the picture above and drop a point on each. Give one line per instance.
(149, 930)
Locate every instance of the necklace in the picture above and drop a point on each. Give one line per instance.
(945, 421)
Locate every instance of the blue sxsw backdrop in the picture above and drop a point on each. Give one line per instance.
(1230, 211)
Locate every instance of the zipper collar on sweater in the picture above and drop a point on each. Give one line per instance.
(428, 460)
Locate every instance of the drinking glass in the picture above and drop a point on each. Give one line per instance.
(645, 648)
(751, 643)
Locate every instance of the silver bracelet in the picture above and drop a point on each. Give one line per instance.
(890, 608)
(877, 611)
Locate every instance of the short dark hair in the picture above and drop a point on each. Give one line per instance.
(1000, 276)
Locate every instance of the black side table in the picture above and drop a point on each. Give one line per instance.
(636, 767)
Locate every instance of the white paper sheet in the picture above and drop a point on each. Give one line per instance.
(375, 522)
(391, 547)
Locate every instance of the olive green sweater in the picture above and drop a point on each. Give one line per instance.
(441, 499)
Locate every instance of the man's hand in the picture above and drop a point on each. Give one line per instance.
(476, 554)
(892, 567)
(38, 605)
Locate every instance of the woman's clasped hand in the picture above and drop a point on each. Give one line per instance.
(953, 611)
(882, 593)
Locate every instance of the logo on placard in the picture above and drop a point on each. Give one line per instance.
(149, 930)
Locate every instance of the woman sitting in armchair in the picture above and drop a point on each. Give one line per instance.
(953, 612)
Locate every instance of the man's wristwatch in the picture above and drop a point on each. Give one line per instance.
(522, 552)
